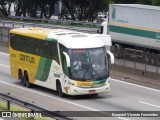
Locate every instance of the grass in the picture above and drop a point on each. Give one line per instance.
(18, 108)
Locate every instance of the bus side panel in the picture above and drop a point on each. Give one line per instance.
(25, 62)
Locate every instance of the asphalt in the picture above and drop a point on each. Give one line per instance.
(118, 72)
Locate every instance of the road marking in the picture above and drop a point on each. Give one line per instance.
(135, 85)
(58, 99)
(4, 53)
(149, 104)
(49, 96)
(4, 65)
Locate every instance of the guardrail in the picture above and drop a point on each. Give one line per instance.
(70, 22)
(6, 25)
(34, 108)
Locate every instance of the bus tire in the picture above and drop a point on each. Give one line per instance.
(21, 77)
(26, 80)
(59, 89)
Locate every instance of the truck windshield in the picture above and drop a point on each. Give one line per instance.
(89, 64)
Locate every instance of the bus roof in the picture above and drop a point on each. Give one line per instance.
(68, 38)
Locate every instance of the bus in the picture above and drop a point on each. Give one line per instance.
(66, 61)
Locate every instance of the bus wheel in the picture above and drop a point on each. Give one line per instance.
(26, 80)
(153, 58)
(21, 78)
(59, 89)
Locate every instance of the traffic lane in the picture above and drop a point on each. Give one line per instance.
(104, 96)
(123, 97)
(4, 59)
(120, 98)
(136, 92)
(51, 103)
(44, 102)
(112, 100)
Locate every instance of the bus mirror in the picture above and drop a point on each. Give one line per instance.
(111, 56)
(67, 59)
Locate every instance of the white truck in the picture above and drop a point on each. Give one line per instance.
(134, 26)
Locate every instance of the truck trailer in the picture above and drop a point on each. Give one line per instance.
(134, 26)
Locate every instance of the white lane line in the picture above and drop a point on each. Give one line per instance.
(149, 104)
(4, 53)
(49, 96)
(134, 84)
(58, 99)
(4, 65)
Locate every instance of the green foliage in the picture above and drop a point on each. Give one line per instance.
(73, 9)
(155, 2)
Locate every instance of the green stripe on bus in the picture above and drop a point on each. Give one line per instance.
(43, 69)
(135, 32)
(51, 40)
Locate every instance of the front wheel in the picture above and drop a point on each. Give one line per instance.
(59, 89)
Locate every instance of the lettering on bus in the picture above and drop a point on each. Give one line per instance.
(27, 58)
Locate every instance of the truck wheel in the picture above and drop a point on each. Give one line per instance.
(59, 89)
(147, 57)
(26, 80)
(153, 58)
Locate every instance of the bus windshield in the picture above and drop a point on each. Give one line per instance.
(89, 64)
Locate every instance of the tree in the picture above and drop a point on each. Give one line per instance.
(47, 8)
(5, 6)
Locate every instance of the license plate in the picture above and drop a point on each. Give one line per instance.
(92, 91)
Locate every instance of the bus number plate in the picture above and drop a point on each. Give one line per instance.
(92, 91)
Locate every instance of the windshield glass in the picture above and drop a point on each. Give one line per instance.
(89, 64)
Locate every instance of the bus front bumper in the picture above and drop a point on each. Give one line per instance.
(89, 90)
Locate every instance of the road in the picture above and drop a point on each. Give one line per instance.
(122, 97)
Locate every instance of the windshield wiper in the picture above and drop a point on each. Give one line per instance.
(89, 68)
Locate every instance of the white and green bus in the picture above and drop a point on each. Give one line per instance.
(69, 62)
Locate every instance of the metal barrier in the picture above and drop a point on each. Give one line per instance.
(134, 61)
(70, 22)
(34, 108)
(5, 26)
(134, 54)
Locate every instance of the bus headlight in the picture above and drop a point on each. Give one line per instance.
(72, 83)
